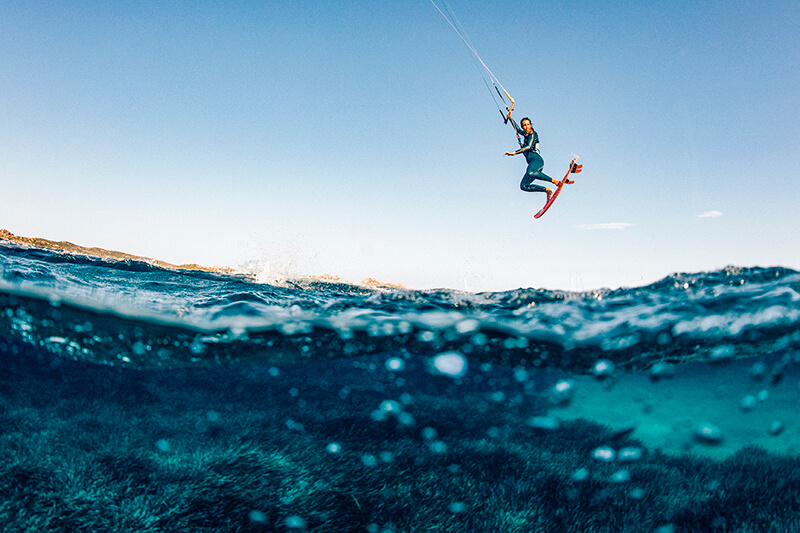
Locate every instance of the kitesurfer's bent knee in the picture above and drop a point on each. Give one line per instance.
(533, 173)
(527, 185)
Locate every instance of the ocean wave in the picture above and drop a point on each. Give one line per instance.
(104, 310)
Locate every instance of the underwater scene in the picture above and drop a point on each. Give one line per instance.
(136, 397)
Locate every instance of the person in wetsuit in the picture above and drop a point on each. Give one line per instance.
(530, 147)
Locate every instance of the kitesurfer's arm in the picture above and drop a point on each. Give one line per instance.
(529, 145)
(516, 127)
(514, 123)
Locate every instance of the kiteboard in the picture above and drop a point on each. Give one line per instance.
(574, 168)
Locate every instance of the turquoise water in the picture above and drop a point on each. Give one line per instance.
(137, 398)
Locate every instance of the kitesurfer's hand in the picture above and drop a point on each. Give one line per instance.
(509, 114)
(510, 153)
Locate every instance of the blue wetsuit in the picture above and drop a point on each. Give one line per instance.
(530, 147)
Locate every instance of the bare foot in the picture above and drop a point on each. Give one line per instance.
(549, 194)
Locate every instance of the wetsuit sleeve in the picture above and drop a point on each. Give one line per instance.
(516, 127)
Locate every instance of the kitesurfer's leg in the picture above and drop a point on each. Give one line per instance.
(527, 184)
(534, 172)
(539, 175)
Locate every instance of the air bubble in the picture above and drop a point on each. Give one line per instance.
(295, 426)
(604, 453)
(581, 474)
(622, 476)
(197, 347)
(457, 507)
(139, 349)
(722, 353)
(521, 375)
(426, 336)
(497, 396)
(479, 339)
(748, 403)
(295, 522)
(452, 364)
(603, 369)
(637, 493)
(758, 371)
(386, 457)
(406, 419)
(395, 364)
(334, 448)
(390, 406)
(661, 370)
(468, 326)
(708, 433)
(544, 423)
(429, 433)
(438, 447)
(630, 454)
(776, 428)
(562, 392)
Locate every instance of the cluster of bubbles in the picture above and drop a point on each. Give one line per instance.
(293, 522)
(397, 410)
(625, 455)
(455, 366)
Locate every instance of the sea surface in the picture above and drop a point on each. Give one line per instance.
(140, 398)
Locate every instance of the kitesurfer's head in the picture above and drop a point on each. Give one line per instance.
(527, 126)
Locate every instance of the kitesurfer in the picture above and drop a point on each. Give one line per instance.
(530, 147)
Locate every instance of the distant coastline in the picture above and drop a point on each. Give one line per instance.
(66, 246)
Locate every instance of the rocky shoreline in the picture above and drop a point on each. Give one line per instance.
(66, 246)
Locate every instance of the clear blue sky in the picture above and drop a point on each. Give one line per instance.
(357, 138)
